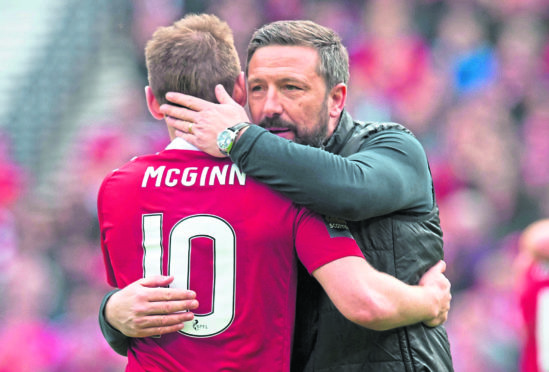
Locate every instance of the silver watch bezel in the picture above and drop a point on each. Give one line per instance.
(226, 138)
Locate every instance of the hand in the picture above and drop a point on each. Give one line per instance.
(208, 119)
(435, 281)
(145, 308)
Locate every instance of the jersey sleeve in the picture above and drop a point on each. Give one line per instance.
(319, 240)
(116, 339)
(388, 173)
(102, 226)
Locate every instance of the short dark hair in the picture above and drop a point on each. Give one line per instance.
(333, 56)
(192, 56)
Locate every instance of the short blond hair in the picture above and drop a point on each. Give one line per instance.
(192, 56)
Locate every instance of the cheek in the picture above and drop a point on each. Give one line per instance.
(255, 111)
(255, 116)
(304, 114)
(298, 110)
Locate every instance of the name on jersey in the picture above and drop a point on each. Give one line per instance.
(191, 176)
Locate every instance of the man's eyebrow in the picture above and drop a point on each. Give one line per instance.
(254, 80)
(300, 83)
(291, 80)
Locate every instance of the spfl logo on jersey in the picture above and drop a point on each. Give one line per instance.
(337, 227)
(197, 326)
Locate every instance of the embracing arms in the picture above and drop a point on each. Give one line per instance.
(362, 294)
(379, 301)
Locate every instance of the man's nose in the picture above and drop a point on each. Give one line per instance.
(272, 105)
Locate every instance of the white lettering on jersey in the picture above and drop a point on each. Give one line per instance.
(169, 180)
(235, 171)
(203, 176)
(220, 175)
(207, 176)
(153, 173)
(189, 176)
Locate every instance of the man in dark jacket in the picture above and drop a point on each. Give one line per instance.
(374, 176)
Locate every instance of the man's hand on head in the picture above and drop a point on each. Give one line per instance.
(208, 119)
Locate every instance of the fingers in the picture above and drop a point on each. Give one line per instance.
(153, 310)
(156, 281)
(180, 113)
(170, 307)
(442, 315)
(179, 125)
(190, 102)
(159, 324)
(169, 294)
(441, 319)
(163, 321)
(222, 95)
(442, 265)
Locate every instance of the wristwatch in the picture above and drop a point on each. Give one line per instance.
(225, 139)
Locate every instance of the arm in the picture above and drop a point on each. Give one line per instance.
(389, 173)
(379, 301)
(116, 339)
(361, 293)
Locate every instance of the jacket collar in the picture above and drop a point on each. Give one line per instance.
(341, 134)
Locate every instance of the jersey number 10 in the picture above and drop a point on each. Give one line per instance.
(179, 265)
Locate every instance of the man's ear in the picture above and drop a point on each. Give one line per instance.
(152, 104)
(336, 100)
(239, 92)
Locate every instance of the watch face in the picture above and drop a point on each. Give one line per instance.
(225, 140)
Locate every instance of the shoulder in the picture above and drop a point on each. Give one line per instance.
(125, 171)
(390, 135)
(371, 128)
(387, 131)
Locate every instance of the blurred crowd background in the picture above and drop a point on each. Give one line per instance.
(469, 77)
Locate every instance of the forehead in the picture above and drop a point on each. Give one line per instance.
(284, 61)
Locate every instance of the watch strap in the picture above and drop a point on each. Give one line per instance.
(238, 127)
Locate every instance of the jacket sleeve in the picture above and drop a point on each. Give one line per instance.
(116, 339)
(389, 173)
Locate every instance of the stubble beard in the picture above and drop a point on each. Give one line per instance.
(314, 137)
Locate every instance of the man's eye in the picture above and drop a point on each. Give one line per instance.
(292, 87)
(256, 88)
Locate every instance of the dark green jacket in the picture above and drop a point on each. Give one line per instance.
(381, 184)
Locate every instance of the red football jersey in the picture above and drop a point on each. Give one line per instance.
(220, 233)
(534, 303)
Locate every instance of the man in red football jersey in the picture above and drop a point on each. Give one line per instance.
(534, 296)
(210, 227)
